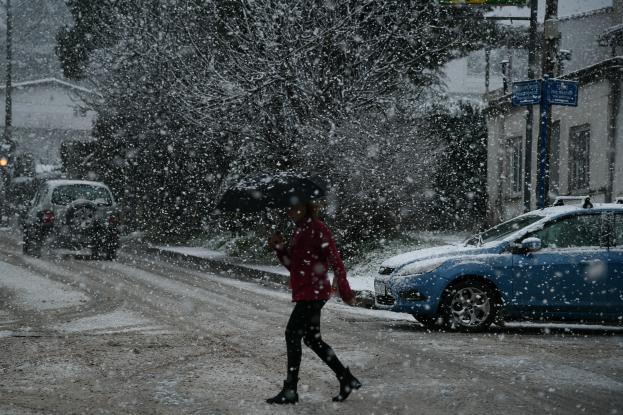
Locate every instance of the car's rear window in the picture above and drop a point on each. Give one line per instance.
(64, 195)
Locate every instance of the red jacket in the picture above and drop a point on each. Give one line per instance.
(311, 250)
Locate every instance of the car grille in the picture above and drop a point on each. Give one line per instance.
(385, 299)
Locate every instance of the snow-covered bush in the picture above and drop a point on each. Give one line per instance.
(197, 91)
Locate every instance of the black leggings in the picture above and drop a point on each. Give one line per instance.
(304, 324)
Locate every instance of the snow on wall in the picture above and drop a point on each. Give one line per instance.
(48, 107)
(44, 115)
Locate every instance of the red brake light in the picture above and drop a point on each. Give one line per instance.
(47, 217)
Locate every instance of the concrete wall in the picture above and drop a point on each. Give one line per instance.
(618, 171)
(592, 109)
(580, 35)
(459, 82)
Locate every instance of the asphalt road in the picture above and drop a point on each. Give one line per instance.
(145, 336)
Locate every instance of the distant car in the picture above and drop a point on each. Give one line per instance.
(560, 263)
(72, 214)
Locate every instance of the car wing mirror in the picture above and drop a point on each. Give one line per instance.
(526, 246)
(531, 244)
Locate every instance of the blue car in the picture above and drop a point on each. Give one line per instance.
(562, 263)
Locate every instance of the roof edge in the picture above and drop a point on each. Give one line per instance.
(44, 81)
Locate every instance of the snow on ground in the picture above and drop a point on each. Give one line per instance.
(116, 321)
(191, 292)
(532, 367)
(563, 326)
(194, 251)
(275, 269)
(37, 292)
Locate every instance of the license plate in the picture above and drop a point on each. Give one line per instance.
(380, 288)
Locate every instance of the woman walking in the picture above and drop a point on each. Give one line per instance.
(307, 257)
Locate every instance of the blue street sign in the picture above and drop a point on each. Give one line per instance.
(526, 92)
(559, 92)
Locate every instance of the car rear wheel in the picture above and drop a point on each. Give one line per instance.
(469, 306)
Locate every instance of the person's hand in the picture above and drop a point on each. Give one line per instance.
(276, 241)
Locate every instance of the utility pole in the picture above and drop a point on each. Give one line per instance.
(527, 189)
(8, 114)
(551, 35)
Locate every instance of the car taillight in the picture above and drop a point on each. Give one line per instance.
(47, 217)
(113, 220)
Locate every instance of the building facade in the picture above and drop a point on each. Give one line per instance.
(47, 112)
(586, 142)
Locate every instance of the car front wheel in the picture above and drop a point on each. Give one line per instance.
(469, 306)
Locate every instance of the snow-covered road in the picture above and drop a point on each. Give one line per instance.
(142, 335)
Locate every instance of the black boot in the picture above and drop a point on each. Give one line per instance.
(348, 383)
(287, 395)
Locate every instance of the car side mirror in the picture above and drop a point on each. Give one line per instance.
(531, 244)
(526, 246)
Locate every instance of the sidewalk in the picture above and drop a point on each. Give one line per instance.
(264, 273)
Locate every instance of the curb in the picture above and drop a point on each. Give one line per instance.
(363, 298)
(223, 267)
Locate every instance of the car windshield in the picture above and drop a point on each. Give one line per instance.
(502, 230)
(64, 195)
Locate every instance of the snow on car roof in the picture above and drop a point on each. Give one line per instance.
(64, 182)
(561, 210)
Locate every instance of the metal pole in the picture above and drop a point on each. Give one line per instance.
(527, 189)
(545, 109)
(550, 57)
(8, 121)
(8, 113)
(487, 68)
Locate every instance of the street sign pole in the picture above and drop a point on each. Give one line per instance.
(546, 92)
(527, 188)
(543, 159)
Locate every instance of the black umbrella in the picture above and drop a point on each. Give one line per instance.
(280, 190)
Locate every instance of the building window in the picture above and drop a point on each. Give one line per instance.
(579, 158)
(554, 159)
(515, 146)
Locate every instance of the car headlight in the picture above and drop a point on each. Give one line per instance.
(420, 267)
